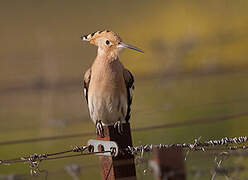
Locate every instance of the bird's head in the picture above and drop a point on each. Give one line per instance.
(107, 42)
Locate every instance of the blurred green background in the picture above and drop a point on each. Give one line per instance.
(195, 66)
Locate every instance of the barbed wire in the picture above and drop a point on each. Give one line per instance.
(47, 156)
(161, 126)
(35, 159)
(196, 146)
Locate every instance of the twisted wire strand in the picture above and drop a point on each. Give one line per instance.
(195, 146)
(47, 156)
(221, 144)
(35, 159)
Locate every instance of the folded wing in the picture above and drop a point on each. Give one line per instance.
(129, 81)
(86, 83)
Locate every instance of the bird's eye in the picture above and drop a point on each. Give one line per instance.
(107, 42)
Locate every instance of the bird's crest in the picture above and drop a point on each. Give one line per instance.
(106, 33)
(108, 40)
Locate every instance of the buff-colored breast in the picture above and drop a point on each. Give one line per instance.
(107, 92)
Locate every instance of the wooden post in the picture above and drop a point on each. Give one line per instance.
(121, 167)
(168, 164)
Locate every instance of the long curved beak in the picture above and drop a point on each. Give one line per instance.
(123, 45)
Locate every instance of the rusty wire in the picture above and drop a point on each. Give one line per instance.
(40, 157)
(35, 159)
(195, 146)
(226, 144)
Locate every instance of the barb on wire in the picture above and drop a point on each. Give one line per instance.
(193, 147)
(35, 159)
(226, 144)
(196, 146)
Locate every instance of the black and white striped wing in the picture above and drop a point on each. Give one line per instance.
(129, 80)
(86, 83)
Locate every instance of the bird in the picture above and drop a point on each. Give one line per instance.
(108, 85)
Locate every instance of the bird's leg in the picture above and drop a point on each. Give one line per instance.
(99, 128)
(119, 126)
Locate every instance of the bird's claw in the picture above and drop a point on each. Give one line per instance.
(119, 127)
(99, 128)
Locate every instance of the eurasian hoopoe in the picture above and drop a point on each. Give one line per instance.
(108, 85)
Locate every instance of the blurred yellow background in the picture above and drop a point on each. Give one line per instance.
(195, 66)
